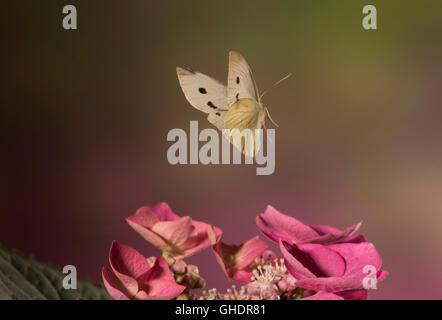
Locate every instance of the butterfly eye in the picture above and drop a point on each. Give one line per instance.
(237, 80)
(202, 90)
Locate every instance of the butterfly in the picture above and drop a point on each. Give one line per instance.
(235, 106)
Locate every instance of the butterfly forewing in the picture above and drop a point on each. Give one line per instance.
(205, 94)
(240, 81)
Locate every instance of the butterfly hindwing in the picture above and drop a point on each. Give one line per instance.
(246, 116)
(217, 118)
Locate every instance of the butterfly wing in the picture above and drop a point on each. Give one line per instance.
(246, 115)
(246, 111)
(240, 81)
(205, 94)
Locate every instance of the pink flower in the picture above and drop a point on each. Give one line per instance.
(134, 277)
(337, 268)
(277, 226)
(180, 237)
(324, 296)
(237, 261)
(265, 291)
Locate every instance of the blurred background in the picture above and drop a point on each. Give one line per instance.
(85, 115)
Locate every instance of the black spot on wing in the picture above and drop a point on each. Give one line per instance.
(237, 80)
(189, 69)
(202, 90)
(210, 104)
(237, 96)
(218, 114)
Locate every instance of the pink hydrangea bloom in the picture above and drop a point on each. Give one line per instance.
(180, 237)
(337, 268)
(132, 276)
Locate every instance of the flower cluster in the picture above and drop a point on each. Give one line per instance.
(314, 262)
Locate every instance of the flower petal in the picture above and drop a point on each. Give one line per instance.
(277, 226)
(324, 296)
(127, 264)
(295, 267)
(243, 276)
(354, 295)
(331, 235)
(322, 229)
(126, 260)
(355, 238)
(142, 221)
(180, 234)
(142, 295)
(113, 284)
(235, 260)
(202, 239)
(357, 256)
(164, 212)
(223, 252)
(381, 275)
(202, 229)
(248, 252)
(330, 284)
(144, 217)
(159, 282)
(320, 259)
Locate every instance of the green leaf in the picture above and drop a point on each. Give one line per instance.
(25, 278)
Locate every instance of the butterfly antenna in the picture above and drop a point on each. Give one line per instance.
(275, 84)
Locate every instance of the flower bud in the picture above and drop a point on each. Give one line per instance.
(179, 267)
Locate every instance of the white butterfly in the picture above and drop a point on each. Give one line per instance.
(237, 106)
